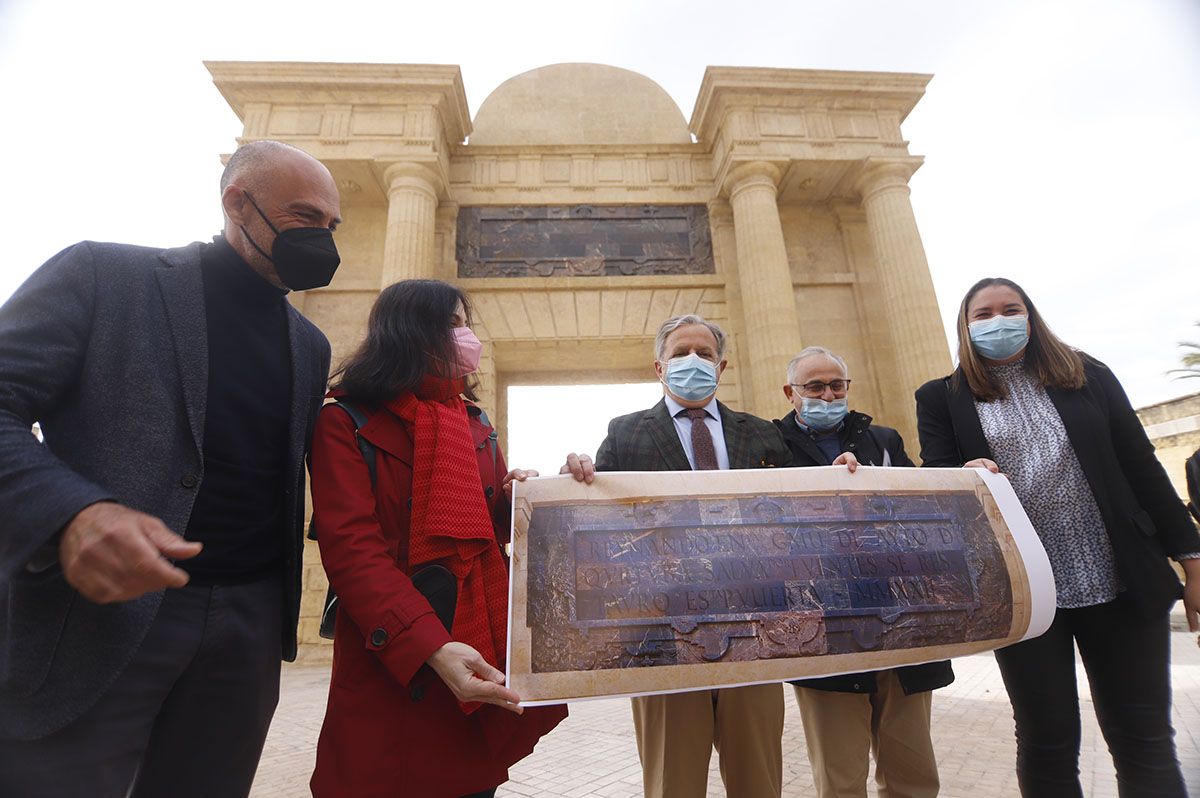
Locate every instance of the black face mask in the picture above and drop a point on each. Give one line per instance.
(304, 257)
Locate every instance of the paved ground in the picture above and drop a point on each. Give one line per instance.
(592, 754)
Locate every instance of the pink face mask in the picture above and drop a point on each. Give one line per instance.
(469, 349)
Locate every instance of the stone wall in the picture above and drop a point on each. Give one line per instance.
(1174, 429)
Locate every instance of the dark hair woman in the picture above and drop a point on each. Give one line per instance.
(417, 703)
(1059, 425)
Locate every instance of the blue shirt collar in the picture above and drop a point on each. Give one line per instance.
(674, 408)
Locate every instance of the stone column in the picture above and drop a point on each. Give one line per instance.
(772, 331)
(724, 248)
(408, 249)
(910, 304)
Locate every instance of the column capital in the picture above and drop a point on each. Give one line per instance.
(880, 174)
(751, 174)
(411, 175)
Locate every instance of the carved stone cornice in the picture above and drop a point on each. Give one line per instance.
(249, 84)
(724, 88)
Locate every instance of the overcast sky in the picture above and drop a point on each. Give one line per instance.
(1062, 139)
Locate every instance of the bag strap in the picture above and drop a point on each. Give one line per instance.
(492, 436)
(365, 447)
(328, 623)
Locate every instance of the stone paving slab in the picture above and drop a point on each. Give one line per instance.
(592, 754)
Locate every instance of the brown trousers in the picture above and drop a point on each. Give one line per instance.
(676, 734)
(843, 729)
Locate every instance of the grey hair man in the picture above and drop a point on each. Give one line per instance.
(689, 429)
(846, 718)
(151, 551)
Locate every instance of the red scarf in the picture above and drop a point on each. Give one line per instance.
(451, 525)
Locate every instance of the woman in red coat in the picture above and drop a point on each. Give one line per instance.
(416, 709)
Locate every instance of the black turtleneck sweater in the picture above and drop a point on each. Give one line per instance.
(238, 513)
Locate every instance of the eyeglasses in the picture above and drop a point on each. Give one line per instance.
(816, 387)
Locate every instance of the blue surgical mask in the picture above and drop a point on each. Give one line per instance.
(999, 337)
(821, 415)
(691, 378)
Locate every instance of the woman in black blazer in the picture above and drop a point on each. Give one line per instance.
(1059, 425)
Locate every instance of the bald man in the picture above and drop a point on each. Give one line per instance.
(150, 548)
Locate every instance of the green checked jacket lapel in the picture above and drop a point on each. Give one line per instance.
(752, 442)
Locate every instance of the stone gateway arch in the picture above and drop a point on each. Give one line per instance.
(579, 209)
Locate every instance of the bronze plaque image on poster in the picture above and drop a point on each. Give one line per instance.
(733, 578)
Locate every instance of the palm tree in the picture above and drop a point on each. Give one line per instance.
(1190, 360)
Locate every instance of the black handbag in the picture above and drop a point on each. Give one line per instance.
(434, 582)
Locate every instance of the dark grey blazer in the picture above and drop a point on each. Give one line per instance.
(106, 346)
(647, 441)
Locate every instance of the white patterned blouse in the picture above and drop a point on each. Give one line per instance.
(1031, 447)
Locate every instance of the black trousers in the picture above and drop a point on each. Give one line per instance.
(188, 717)
(1127, 659)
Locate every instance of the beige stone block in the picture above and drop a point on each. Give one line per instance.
(315, 651)
(309, 632)
(378, 120)
(562, 309)
(610, 170)
(612, 312)
(312, 601)
(637, 310)
(556, 170)
(293, 122)
(662, 303)
(314, 574)
(541, 316)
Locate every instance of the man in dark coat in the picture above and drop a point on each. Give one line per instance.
(887, 712)
(150, 548)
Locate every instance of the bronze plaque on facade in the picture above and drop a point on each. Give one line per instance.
(733, 579)
(583, 240)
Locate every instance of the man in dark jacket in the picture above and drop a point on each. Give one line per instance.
(887, 712)
(150, 548)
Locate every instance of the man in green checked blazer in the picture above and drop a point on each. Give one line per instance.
(689, 429)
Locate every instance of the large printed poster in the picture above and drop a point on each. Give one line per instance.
(667, 581)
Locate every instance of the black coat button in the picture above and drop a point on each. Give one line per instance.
(488, 492)
(417, 692)
(189, 481)
(379, 637)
